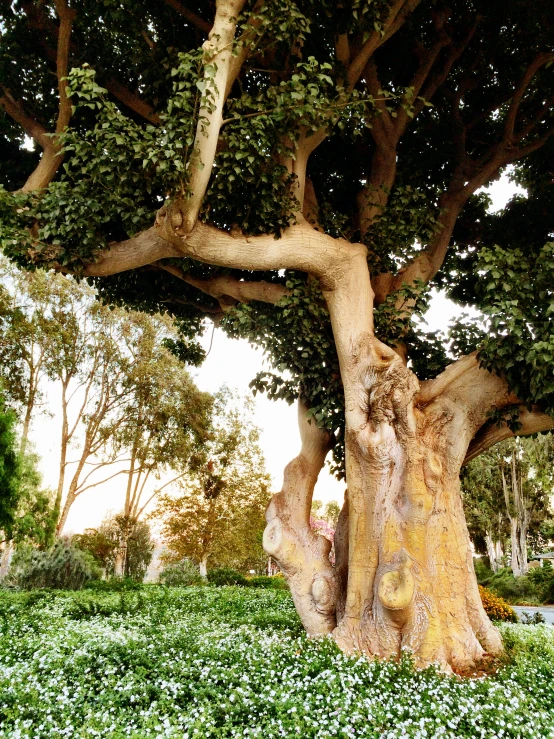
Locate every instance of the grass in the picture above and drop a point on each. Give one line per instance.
(233, 662)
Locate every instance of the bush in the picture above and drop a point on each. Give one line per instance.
(496, 608)
(276, 582)
(226, 576)
(181, 574)
(64, 567)
(113, 585)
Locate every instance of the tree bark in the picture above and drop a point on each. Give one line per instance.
(121, 557)
(404, 575)
(203, 566)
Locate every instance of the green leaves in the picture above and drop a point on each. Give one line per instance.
(518, 302)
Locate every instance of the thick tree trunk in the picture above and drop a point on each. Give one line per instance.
(404, 575)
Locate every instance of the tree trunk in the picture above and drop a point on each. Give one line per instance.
(121, 557)
(203, 566)
(5, 559)
(69, 500)
(404, 575)
(494, 551)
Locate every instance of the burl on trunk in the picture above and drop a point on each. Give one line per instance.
(404, 576)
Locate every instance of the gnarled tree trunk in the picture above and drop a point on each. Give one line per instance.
(404, 576)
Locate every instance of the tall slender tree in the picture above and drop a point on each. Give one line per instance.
(303, 172)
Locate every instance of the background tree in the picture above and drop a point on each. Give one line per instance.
(219, 517)
(485, 507)
(507, 493)
(360, 136)
(164, 418)
(104, 542)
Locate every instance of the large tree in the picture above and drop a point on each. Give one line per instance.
(302, 173)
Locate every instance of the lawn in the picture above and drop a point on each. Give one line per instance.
(233, 662)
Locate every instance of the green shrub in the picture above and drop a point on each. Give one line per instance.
(64, 567)
(113, 585)
(181, 574)
(276, 582)
(226, 576)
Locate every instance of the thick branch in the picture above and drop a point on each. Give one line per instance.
(15, 110)
(301, 554)
(145, 248)
(51, 157)
(468, 393)
(398, 14)
(531, 422)
(217, 55)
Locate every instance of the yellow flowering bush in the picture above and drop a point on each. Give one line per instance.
(497, 608)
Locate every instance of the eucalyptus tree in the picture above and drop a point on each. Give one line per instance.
(162, 422)
(303, 173)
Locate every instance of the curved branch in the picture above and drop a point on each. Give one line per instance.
(302, 555)
(531, 422)
(469, 394)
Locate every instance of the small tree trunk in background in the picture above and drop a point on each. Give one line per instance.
(5, 559)
(121, 557)
(493, 552)
(203, 566)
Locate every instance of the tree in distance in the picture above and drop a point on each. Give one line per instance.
(104, 543)
(304, 174)
(218, 518)
(507, 494)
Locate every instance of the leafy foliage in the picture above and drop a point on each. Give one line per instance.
(64, 566)
(218, 517)
(102, 544)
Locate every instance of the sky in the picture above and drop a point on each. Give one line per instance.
(232, 362)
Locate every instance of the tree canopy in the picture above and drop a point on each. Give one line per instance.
(413, 106)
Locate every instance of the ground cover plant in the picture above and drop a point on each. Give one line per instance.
(235, 662)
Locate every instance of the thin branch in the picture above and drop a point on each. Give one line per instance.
(100, 482)
(224, 287)
(539, 61)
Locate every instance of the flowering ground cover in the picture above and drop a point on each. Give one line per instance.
(233, 662)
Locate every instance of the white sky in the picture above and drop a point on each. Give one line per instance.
(233, 362)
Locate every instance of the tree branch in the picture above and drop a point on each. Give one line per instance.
(217, 56)
(539, 61)
(225, 287)
(531, 422)
(193, 18)
(51, 157)
(32, 128)
(398, 14)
